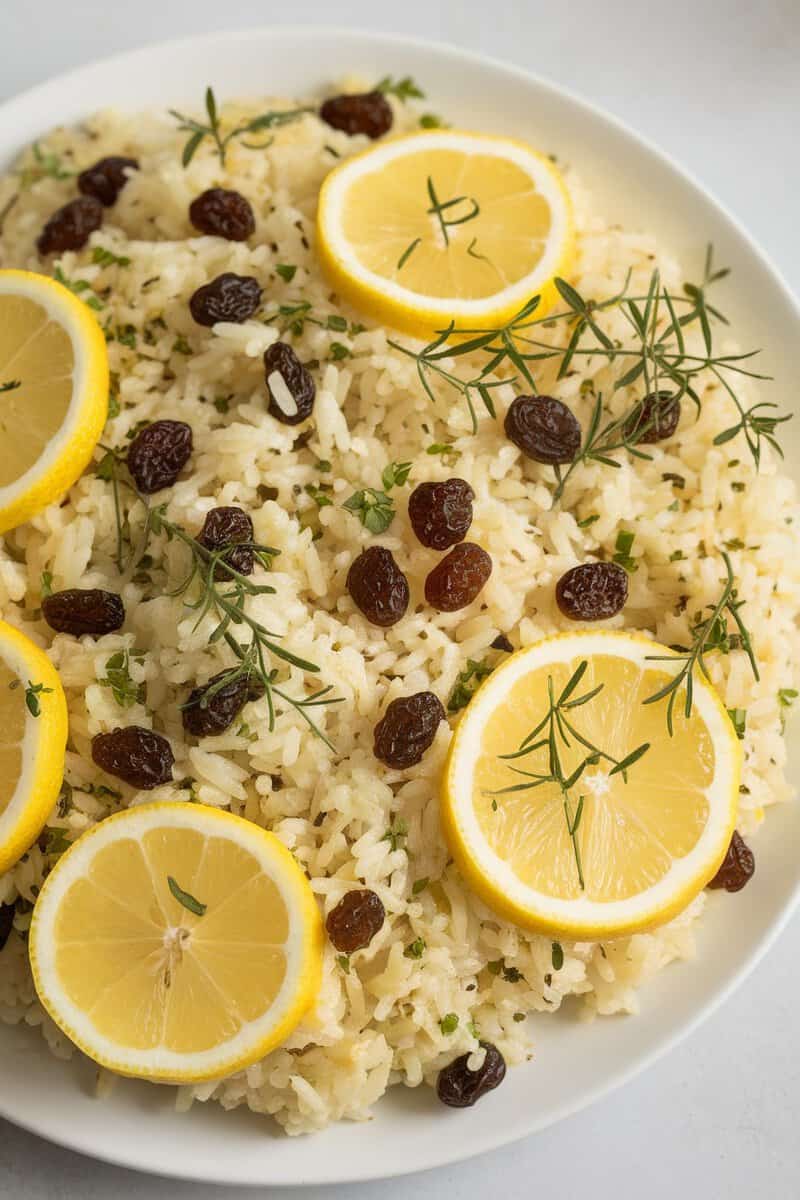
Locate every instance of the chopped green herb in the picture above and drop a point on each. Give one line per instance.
(406, 255)
(677, 556)
(404, 89)
(286, 271)
(394, 834)
(107, 258)
(519, 1016)
(447, 452)
(449, 1023)
(79, 287)
(557, 956)
(320, 498)
(57, 842)
(113, 405)
(46, 584)
(374, 509)
(738, 486)
(188, 901)
(125, 335)
(32, 693)
(622, 555)
(181, 345)
(677, 481)
(467, 684)
(786, 698)
(473, 1031)
(222, 403)
(734, 544)
(419, 885)
(432, 121)
(344, 962)
(395, 474)
(323, 465)
(118, 678)
(337, 323)
(416, 949)
(738, 718)
(585, 522)
(339, 351)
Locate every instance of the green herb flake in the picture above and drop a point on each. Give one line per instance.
(336, 323)
(622, 548)
(447, 452)
(80, 288)
(467, 684)
(519, 1016)
(46, 584)
(339, 351)
(738, 486)
(287, 271)
(395, 475)
(419, 885)
(222, 403)
(57, 842)
(677, 556)
(320, 497)
(557, 956)
(738, 718)
(32, 693)
(432, 121)
(107, 258)
(375, 510)
(585, 522)
(344, 962)
(416, 949)
(181, 345)
(449, 1023)
(404, 89)
(395, 833)
(787, 697)
(473, 1031)
(188, 901)
(118, 678)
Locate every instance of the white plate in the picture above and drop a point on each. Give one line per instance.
(575, 1063)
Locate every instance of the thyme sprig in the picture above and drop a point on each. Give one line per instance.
(556, 731)
(708, 635)
(198, 131)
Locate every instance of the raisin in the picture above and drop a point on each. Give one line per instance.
(366, 112)
(70, 226)
(378, 587)
(355, 920)
(656, 416)
(229, 297)
(206, 716)
(737, 867)
(544, 429)
(592, 591)
(456, 580)
(226, 526)
(84, 610)
(223, 213)
(290, 386)
(458, 1087)
(6, 923)
(441, 513)
(106, 179)
(158, 454)
(407, 729)
(139, 756)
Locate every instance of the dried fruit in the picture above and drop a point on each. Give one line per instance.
(70, 226)
(592, 591)
(378, 587)
(158, 454)
(441, 513)
(206, 716)
(355, 920)
(106, 178)
(657, 415)
(136, 755)
(229, 297)
(738, 866)
(544, 429)
(6, 923)
(84, 610)
(458, 578)
(226, 526)
(220, 212)
(407, 729)
(366, 112)
(290, 386)
(458, 1087)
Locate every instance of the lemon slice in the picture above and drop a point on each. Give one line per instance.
(642, 848)
(442, 226)
(176, 942)
(53, 392)
(33, 721)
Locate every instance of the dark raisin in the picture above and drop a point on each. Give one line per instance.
(407, 729)
(592, 591)
(458, 1087)
(84, 610)
(366, 112)
(378, 587)
(6, 923)
(226, 526)
(139, 756)
(290, 386)
(441, 513)
(206, 716)
(501, 642)
(229, 297)
(737, 868)
(223, 213)
(458, 578)
(106, 179)
(544, 429)
(355, 920)
(656, 417)
(158, 454)
(70, 226)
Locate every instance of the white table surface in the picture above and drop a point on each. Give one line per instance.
(717, 84)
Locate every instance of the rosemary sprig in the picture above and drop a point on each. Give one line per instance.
(708, 635)
(556, 732)
(198, 131)
(440, 208)
(10, 385)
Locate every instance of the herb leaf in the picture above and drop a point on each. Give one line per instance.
(404, 89)
(375, 510)
(188, 901)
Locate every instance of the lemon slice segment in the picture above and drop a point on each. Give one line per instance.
(647, 840)
(176, 942)
(33, 736)
(53, 392)
(442, 226)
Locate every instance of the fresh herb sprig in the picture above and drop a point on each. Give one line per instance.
(556, 732)
(708, 635)
(404, 89)
(373, 508)
(199, 131)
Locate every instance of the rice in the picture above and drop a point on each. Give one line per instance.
(378, 1023)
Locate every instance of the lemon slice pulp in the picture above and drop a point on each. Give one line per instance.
(442, 226)
(647, 840)
(33, 725)
(176, 942)
(53, 392)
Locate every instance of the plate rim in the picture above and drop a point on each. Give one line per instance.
(456, 1152)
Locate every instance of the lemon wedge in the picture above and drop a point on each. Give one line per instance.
(176, 942)
(617, 850)
(33, 720)
(53, 392)
(445, 226)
